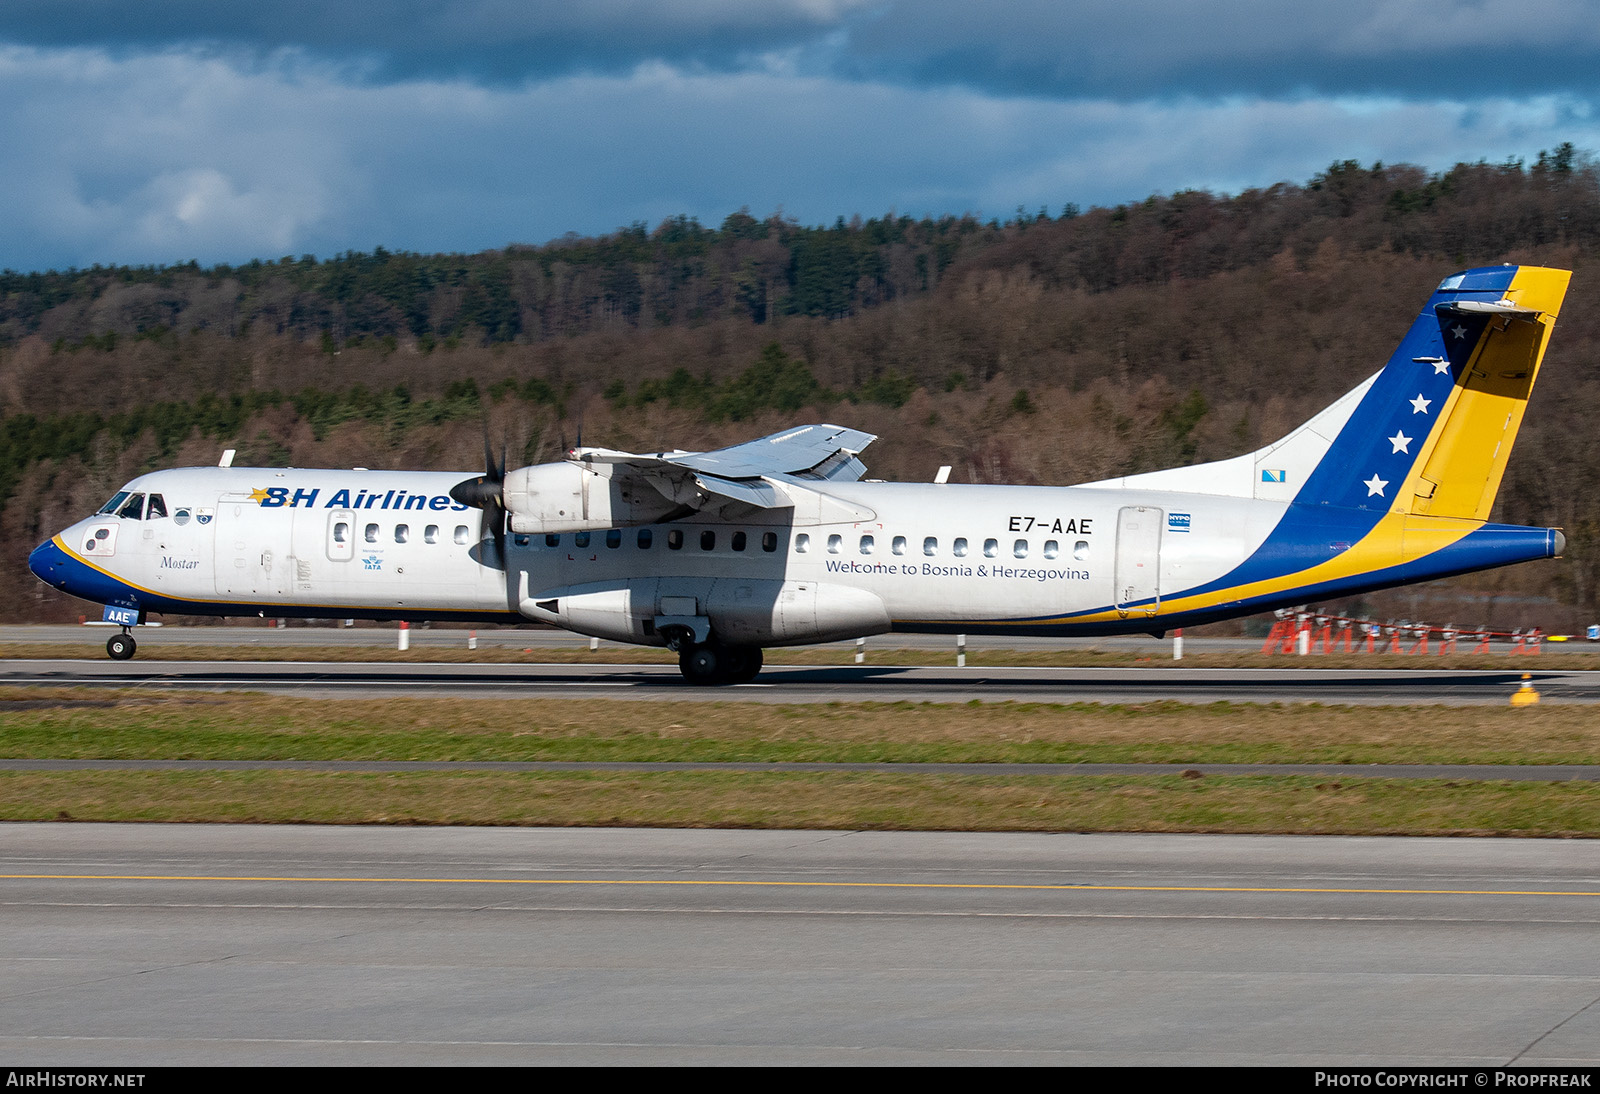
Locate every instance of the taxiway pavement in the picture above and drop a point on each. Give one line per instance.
(130, 945)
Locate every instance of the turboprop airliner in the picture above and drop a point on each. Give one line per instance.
(780, 541)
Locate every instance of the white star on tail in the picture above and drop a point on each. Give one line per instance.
(1400, 441)
(1441, 366)
(1419, 405)
(1375, 485)
(1459, 331)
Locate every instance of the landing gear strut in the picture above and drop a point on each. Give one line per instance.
(120, 647)
(710, 663)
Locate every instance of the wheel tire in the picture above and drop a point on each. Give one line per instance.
(742, 663)
(120, 647)
(700, 665)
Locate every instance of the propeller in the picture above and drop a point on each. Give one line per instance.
(487, 492)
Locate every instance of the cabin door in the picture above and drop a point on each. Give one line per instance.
(1138, 565)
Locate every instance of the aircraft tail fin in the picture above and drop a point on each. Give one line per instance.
(1431, 432)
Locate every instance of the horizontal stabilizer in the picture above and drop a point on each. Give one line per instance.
(1507, 308)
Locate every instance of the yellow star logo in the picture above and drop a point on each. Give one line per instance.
(258, 496)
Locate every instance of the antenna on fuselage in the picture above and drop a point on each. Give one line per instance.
(227, 457)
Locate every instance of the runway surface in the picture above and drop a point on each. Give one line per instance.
(144, 944)
(820, 684)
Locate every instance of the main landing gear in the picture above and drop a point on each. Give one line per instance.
(120, 647)
(710, 663)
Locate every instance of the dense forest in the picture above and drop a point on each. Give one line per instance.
(1035, 349)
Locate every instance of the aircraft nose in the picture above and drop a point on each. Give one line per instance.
(48, 563)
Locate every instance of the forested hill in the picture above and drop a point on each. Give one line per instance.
(1038, 348)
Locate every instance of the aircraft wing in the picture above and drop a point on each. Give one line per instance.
(820, 452)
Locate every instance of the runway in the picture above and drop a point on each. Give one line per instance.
(143, 944)
(819, 684)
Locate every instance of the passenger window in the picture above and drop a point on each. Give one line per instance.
(960, 548)
(899, 545)
(133, 508)
(708, 541)
(739, 541)
(158, 507)
(581, 539)
(1020, 548)
(521, 540)
(1080, 550)
(462, 533)
(834, 543)
(614, 538)
(991, 547)
(341, 532)
(769, 542)
(802, 543)
(675, 540)
(430, 534)
(552, 539)
(930, 546)
(371, 533)
(646, 537)
(1051, 548)
(402, 533)
(867, 543)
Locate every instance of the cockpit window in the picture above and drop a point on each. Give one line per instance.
(157, 507)
(114, 504)
(133, 508)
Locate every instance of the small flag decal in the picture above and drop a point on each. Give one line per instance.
(1272, 476)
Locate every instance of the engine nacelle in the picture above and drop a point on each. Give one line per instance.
(570, 497)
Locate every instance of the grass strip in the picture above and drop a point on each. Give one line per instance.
(85, 723)
(911, 801)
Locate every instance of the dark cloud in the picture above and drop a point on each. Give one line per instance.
(1131, 49)
(492, 41)
(1120, 49)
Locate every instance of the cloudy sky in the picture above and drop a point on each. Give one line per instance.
(168, 130)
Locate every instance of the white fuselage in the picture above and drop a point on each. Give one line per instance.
(855, 558)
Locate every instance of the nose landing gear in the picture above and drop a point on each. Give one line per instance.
(120, 647)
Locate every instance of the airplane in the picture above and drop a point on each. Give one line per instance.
(780, 541)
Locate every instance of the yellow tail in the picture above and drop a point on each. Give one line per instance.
(1460, 466)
